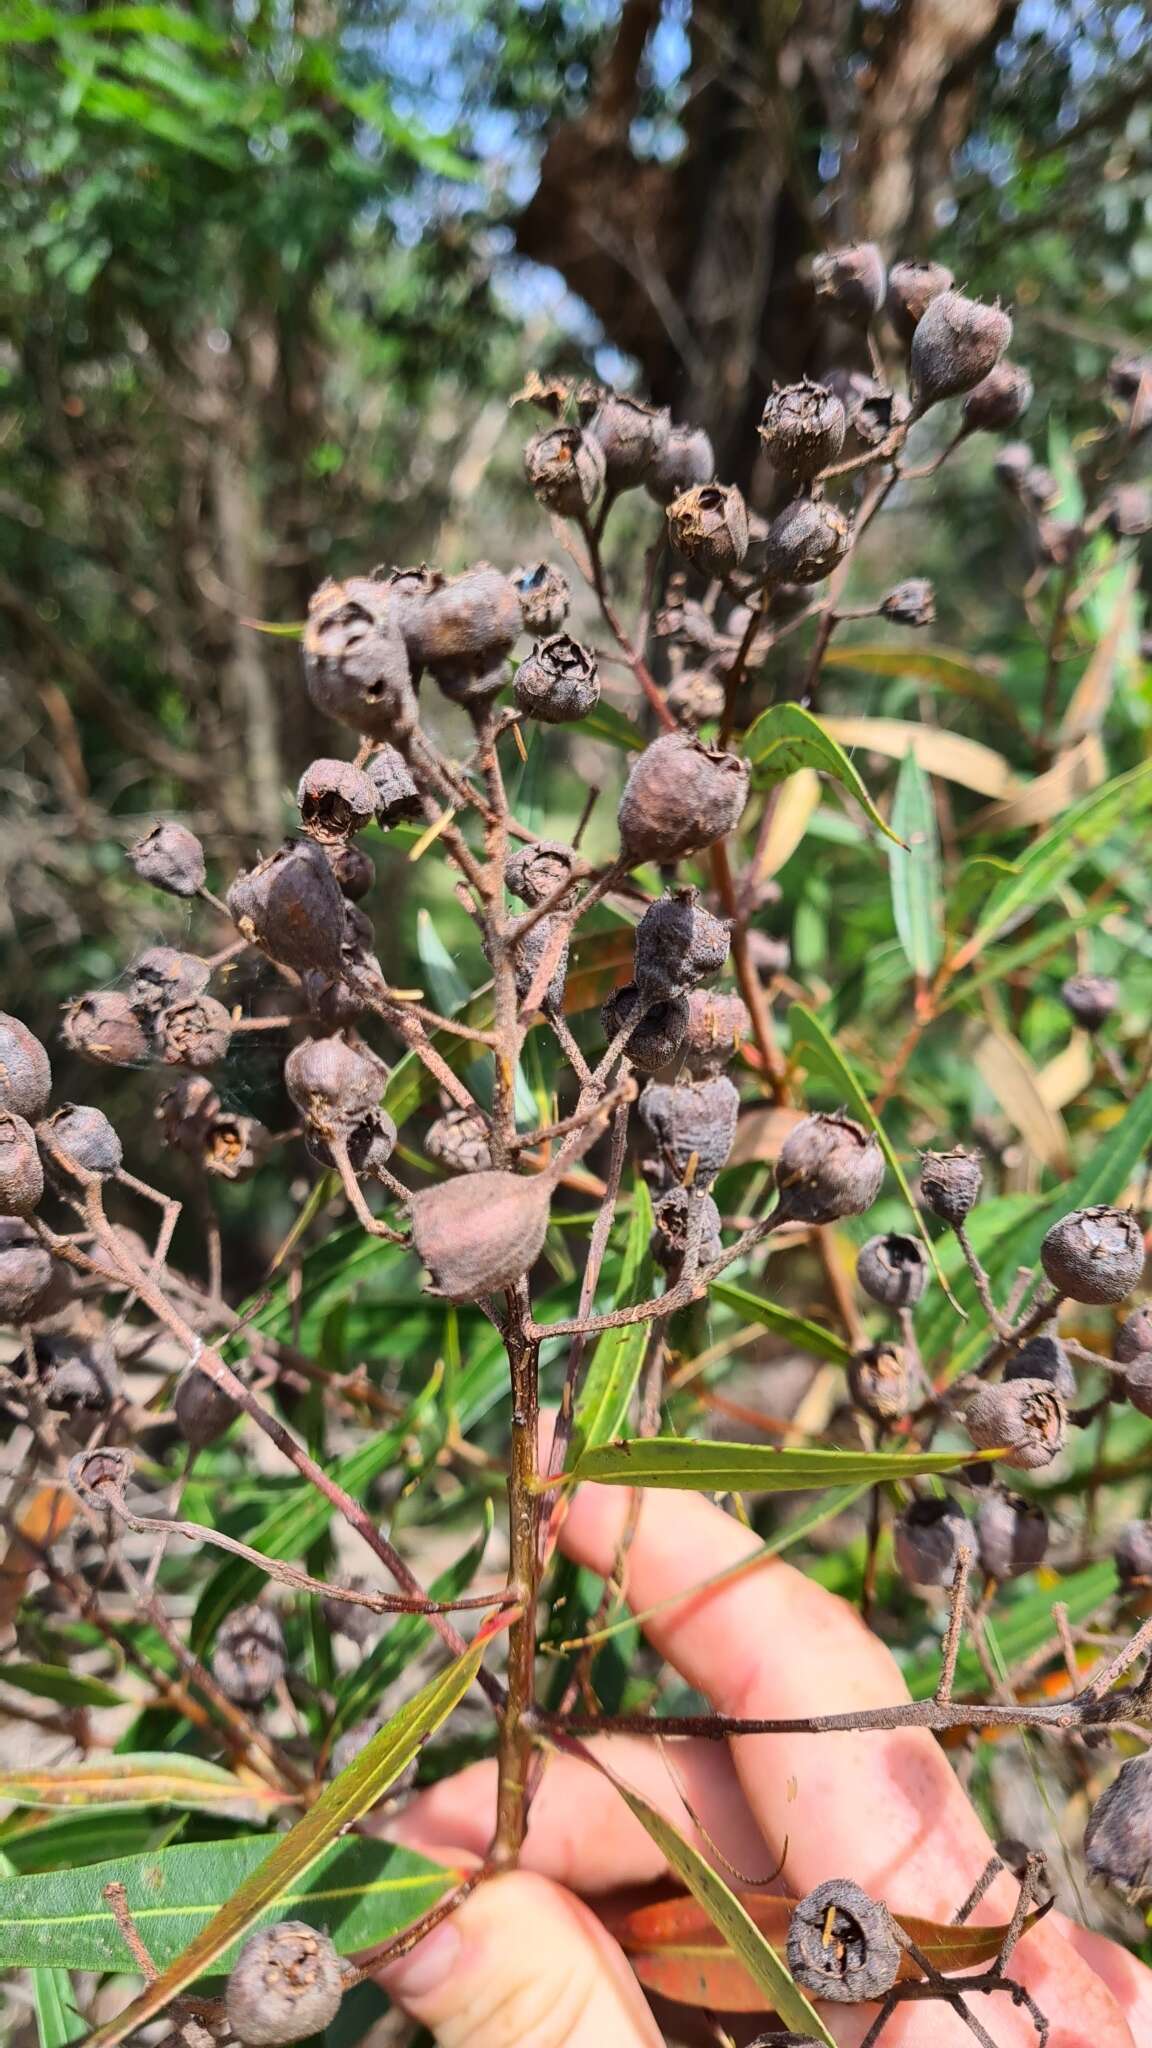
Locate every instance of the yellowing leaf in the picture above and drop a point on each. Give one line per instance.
(948, 754)
(1015, 1083)
(794, 806)
(1076, 772)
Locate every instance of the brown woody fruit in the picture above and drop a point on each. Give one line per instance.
(853, 280)
(249, 1658)
(1043, 1358)
(881, 1382)
(927, 1539)
(685, 461)
(708, 525)
(1118, 1837)
(531, 942)
(841, 1944)
(1090, 999)
(657, 1031)
(558, 682)
(696, 696)
(565, 470)
(79, 1139)
(76, 1377)
(33, 1284)
(678, 943)
(100, 1478)
(1094, 1255)
(829, 1167)
(950, 1184)
(465, 629)
(679, 798)
(1132, 1554)
(333, 1084)
(355, 660)
(535, 872)
(957, 343)
(718, 1022)
(1011, 1535)
(912, 603)
(25, 1073)
(194, 1034)
(336, 799)
(355, 870)
(998, 401)
(21, 1174)
(911, 290)
(171, 858)
(369, 1144)
(291, 907)
(396, 798)
(545, 597)
(892, 1270)
(287, 1983)
(203, 1410)
(1026, 1419)
(103, 1027)
(873, 409)
(632, 436)
(805, 541)
(483, 1233)
(1138, 1383)
(802, 428)
(693, 1123)
(162, 976)
(1134, 1335)
(460, 1141)
(671, 1219)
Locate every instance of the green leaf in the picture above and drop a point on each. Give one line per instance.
(606, 723)
(602, 1408)
(818, 1049)
(1056, 855)
(810, 1337)
(357, 1789)
(57, 2020)
(71, 1688)
(914, 868)
(358, 1691)
(752, 1468)
(787, 738)
(361, 1890)
(447, 989)
(146, 1778)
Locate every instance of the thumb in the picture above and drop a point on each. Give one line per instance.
(522, 1964)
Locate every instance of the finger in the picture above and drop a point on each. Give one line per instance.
(1129, 1981)
(883, 1808)
(580, 1832)
(522, 1964)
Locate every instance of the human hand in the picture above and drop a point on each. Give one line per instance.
(525, 1962)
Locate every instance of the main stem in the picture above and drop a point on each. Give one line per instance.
(516, 1738)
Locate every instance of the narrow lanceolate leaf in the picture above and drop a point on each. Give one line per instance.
(797, 1330)
(951, 755)
(814, 1047)
(362, 1891)
(788, 738)
(57, 2020)
(146, 1779)
(753, 1468)
(357, 1789)
(943, 667)
(71, 1688)
(744, 1939)
(606, 723)
(1058, 853)
(602, 1408)
(914, 868)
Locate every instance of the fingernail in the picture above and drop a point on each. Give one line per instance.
(430, 1962)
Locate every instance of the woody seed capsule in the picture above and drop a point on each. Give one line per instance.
(25, 1074)
(957, 343)
(1026, 1419)
(892, 1270)
(881, 1383)
(194, 1034)
(355, 660)
(657, 1031)
(1138, 1383)
(1132, 1554)
(998, 401)
(802, 428)
(103, 1027)
(467, 626)
(76, 1377)
(718, 1022)
(33, 1284)
(354, 870)
(632, 436)
(678, 943)
(805, 541)
(483, 1233)
(1043, 1358)
(21, 1174)
(1090, 999)
(287, 1983)
(545, 597)
(80, 1139)
(171, 858)
(912, 603)
(841, 1945)
(548, 935)
(950, 1184)
(559, 681)
(336, 799)
(1011, 1535)
(669, 1241)
(535, 872)
(680, 797)
(687, 459)
(332, 1083)
(693, 1123)
(852, 280)
(1118, 1838)
(203, 1410)
(927, 1540)
(460, 1141)
(395, 795)
(911, 290)
(1094, 1255)
(249, 1658)
(1134, 1335)
(829, 1167)
(708, 525)
(696, 697)
(291, 907)
(162, 976)
(565, 470)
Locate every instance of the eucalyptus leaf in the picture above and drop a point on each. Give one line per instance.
(787, 738)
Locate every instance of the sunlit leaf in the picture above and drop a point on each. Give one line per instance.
(752, 1468)
(1058, 853)
(948, 754)
(71, 1688)
(806, 1336)
(602, 1408)
(787, 738)
(914, 868)
(144, 1779)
